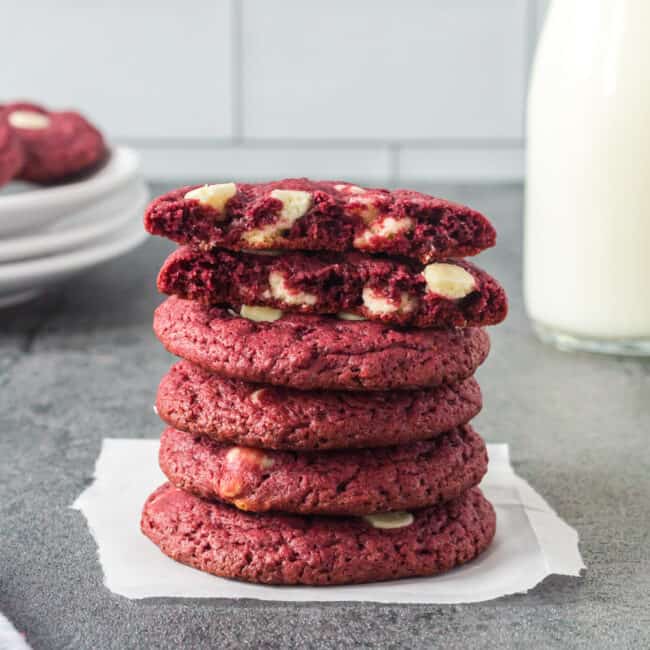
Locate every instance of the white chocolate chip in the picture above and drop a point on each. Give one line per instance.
(363, 240)
(387, 520)
(364, 207)
(241, 455)
(376, 303)
(346, 315)
(385, 229)
(230, 487)
(280, 291)
(241, 504)
(28, 120)
(264, 235)
(216, 196)
(233, 454)
(390, 227)
(295, 204)
(256, 395)
(260, 314)
(449, 280)
(351, 189)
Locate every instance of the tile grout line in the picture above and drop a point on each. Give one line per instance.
(333, 144)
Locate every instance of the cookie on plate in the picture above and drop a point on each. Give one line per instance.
(453, 293)
(237, 412)
(273, 548)
(57, 145)
(345, 482)
(301, 214)
(308, 351)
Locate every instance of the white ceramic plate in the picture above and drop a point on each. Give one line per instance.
(25, 208)
(20, 281)
(82, 228)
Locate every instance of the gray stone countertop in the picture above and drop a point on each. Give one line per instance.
(82, 364)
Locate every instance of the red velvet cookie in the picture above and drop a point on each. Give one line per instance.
(57, 145)
(309, 351)
(233, 411)
(442, 294)
(12, 156)
(345, 482)
(300, 214)
(274, 548)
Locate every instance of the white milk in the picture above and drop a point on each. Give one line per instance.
(587, 225)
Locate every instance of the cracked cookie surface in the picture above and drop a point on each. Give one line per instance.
(345, 482)
(452, 294)
(274, 548)
(237, 412)
(301, 214)
(311, 351)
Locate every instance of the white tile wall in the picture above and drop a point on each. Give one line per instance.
(251, 162)
(383, 69)
(388, 91)
(449, 165)
(141, 69)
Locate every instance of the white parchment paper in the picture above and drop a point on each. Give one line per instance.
(531, 542)
(10, 639)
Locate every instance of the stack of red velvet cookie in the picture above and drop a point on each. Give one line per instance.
(318, 420)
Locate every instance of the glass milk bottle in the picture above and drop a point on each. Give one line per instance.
(587, 222)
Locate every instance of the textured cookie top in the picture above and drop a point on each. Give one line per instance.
(345, 482)
(310, 351)
(453, 293)
(57, 144)
(300, 214)
(233, 411)
(274, 548)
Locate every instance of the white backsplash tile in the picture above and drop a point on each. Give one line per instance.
(383, 69)
(253, 163)
(141, 69)
(504, 164)
(374, 90)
